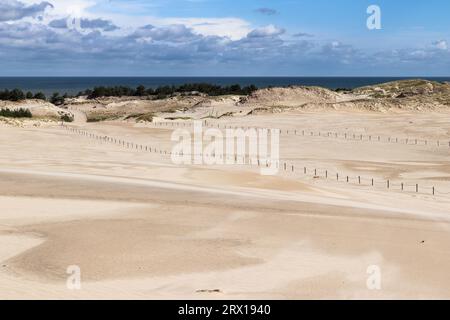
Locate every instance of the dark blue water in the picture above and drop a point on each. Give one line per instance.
(73, 85)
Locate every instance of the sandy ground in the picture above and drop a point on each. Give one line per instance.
(141, 227)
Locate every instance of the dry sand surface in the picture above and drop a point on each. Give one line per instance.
(139, 226)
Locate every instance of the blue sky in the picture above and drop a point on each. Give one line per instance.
(223, 38)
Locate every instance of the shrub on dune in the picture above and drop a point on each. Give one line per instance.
(15, 113)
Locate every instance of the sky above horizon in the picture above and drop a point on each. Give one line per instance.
(223, 38)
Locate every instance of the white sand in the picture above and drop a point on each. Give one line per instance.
(141, 227)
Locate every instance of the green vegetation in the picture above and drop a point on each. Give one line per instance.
(58, 100)
(16, 113)
(66, 118)
(147, 117)
(167, 91)
(17, 95)
(39, 96)
(159, 93)
(179, 118)
(97, 117)
(342, 90)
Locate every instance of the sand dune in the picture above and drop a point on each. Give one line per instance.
(142, 227)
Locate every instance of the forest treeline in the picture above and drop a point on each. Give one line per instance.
(161, 92)
(167, 91)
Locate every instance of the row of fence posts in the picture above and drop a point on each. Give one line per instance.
(131, 145)
(346, 136)
(286, 166)
(123, 143)
(359, 179)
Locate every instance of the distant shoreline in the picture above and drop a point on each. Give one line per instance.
(73, 85)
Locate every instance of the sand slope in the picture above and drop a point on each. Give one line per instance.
(141, 227)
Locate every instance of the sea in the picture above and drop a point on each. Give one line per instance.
(73, 85)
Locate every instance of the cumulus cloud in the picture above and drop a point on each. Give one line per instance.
(171, 33)
(233, 28)
(267, 11)
(149, 45)
(441, 44)
(172, 46)
(59, 23)
(164, 47)
(11, 10)
(104, 25)
(267, 31)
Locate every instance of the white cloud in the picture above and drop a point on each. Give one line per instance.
(441, 44)
(230, 27)
(233, 28)
(181, 42)
(68, 7)
(11, 10)
(267, 31)
(173, 33)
